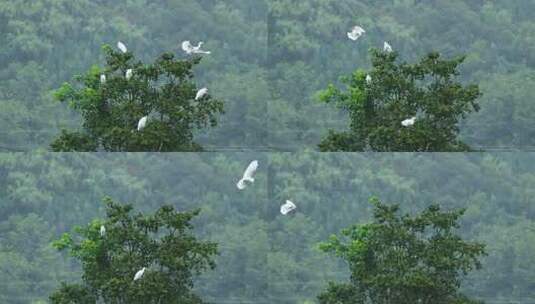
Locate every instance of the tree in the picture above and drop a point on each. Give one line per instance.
(163, 91)
(161, 242)
(397, 92)
(403, 259)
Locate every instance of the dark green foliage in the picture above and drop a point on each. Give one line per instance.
(110, 111)
(403, 259)
(427, 89)
(161, 242)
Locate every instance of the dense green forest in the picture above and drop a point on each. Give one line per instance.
(266, 257)
(269, 59)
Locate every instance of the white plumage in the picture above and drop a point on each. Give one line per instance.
(102, 78)
(387, 47)
(201, 93)
(409, 122)
(248, 175)
(139, 274)
(122, 47)
(368, 79)
(288, 207)
(128, 74)
(102, 230)
(190, 49)
(142, 123)
(355, 33)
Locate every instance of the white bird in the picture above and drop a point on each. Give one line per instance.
(139, 274)
(409, 122)
(387, 47)
(201, 93)
(248, 175)
(288, 207)
(102, 78)
(368, 79)
(190, 49)
(355, 33)
(128, 74)
(142, 123)
(102, 231)
(122, 47)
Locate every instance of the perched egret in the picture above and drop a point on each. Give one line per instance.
(355, 33)
(387, 47)
(102, 231)
(102, 78)
(139, 274)
(368, 79)
(128, 74)
(288, 207)
(409, 122)
(201, 93)
(190, 49)
(122, 47)
(248, 175)
(142, 123)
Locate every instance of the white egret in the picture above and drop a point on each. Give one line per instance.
(368, 79)
(128, 74)
(102, 78)
(387, 47)
(409, 122)
(122, 47)
(102, 231)
(288, 207)
(139, 274)
(355, 33)
(248, 175)
(190, 49)
(142, 123)
(201, 93)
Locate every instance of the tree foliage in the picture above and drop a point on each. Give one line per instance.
(163, 91)
(427, 90)
(403, 259)
(161, 242)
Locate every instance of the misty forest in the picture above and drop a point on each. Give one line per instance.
(275, 111)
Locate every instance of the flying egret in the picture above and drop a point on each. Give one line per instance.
(368, 79)
(102, 231)
(128, 74)
(139, 274)
(122, 47)
(387, 47)
(102, 78)
(288, 207)
(248, 175)
(201, 93)
(355, 33)
(142, 123)
(409, 122)
(190, 49)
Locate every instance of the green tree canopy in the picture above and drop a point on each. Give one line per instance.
(161, 242)
(426, 90)
(163, 91)
(403, 259)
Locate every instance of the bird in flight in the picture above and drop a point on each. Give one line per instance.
(248, 175)
(190, 49)
(355, 33)
(409, 122)
(122, 47)
(139, 274)
(200, 94)
(288, 207)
